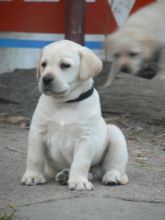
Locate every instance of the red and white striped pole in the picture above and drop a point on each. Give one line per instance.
(75, 20)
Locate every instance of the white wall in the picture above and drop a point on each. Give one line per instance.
(12, 58)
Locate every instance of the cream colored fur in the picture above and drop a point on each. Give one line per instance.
(72, 135)
(137, 41)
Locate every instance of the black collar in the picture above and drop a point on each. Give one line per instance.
(82, 96)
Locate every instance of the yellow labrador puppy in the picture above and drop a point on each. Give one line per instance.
(67, 129)
(137, 41)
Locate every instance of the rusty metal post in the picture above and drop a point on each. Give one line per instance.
(75, 20)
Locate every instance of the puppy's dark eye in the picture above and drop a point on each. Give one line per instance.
(116, 55)
(65, 65)
(133, 54)
(43, 64)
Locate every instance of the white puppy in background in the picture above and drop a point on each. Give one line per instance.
(67, 129)
(137, 42)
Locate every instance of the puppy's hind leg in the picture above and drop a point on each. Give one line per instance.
(62, 177)
(112, 75)
(50, 169)
(116, 158)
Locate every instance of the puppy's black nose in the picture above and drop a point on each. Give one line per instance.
(47, 79)
(125, 69)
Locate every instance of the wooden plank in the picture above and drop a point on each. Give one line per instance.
(142, 98)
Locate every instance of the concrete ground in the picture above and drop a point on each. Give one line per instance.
(142, 198)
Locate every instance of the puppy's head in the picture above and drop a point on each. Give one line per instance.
(130, 49)
(64, 65)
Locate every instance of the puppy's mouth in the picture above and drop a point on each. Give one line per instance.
(125, 69)
(52, 92)
(50, 87)
(61, 94)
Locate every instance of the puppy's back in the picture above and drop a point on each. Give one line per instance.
(149, 19)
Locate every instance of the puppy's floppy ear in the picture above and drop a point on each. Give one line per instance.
(38, 70)
(38, 73)
(107, 47)
(150, 46)
(109, 41)
(90, 64)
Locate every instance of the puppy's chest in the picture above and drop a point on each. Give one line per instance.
(62, 127)
(61, 133)
(61, 138)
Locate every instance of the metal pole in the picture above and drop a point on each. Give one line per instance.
(74, 20)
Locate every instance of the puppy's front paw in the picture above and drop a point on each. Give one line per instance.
(62, 177)
(31, 178)
(113, 177)
(80, 185)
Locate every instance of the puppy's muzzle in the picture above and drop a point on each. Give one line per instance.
(47, 80)
(125, 69)
(51, 86)
(47, 83)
